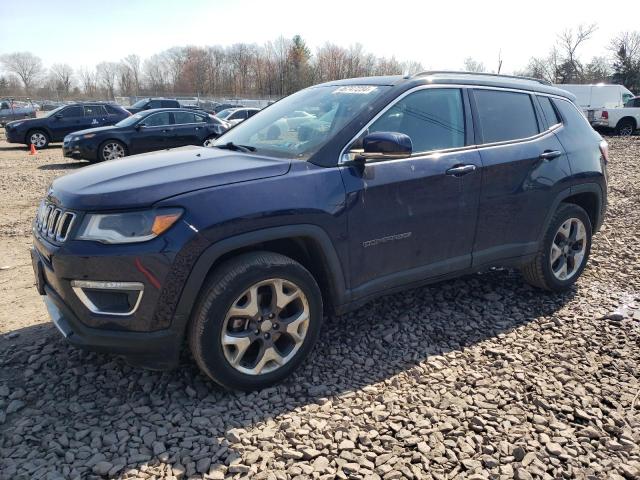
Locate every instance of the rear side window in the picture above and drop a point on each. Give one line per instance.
(113, 110)
(505, 116)
(94, 111)
(184, 117)
(252, 112)
(573, 118)
(549, 112)
(433, 118)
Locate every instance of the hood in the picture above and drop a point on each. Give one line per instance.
(30, 121)
(94, 130)
(142, 180)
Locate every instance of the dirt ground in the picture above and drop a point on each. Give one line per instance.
(23, 181)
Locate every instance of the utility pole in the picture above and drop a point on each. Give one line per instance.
(499, 61)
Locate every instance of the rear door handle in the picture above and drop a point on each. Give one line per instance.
(550, 154)
(460, 170)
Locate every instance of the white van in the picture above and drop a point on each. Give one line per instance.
(590, 97)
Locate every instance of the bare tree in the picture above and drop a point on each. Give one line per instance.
(25, 65)
(88, 79)
(107, 76)
(132, 65)
(471, 65)
(569, 41)
(63, 77)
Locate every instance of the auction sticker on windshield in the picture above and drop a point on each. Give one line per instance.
(358, 89)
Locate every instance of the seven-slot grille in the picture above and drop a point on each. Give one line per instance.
(54, 222)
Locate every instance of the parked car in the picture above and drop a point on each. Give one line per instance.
(149, 103)
(623, 121)
(242, 248)
(10, 111)
(58, 123)
(596, 96)
(223, 106)
(234, 116)
(146, 131)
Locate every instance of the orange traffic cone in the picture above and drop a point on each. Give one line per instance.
(32, 149)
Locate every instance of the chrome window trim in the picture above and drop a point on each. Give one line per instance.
(78, 285)
(343, 158)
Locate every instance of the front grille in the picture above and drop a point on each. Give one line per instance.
(53, 222)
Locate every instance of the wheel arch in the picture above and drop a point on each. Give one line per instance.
(309, 245)
(34, 129)
(629, 118)
(588, 196)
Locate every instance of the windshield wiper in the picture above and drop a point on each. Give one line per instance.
(234, 147)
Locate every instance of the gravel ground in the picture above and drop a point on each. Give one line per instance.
(481, 377)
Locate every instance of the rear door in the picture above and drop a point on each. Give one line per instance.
(523, 167)
(95, 116)
(155, 132)
(69, 119)
(187, 128)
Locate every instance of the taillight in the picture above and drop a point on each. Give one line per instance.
(605, 114)
(604, 150)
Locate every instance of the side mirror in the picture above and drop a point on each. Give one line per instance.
(58, 116)
(384, 146)
(140, 126)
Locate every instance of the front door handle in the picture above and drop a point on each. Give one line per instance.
(550, 154)
(460, 170)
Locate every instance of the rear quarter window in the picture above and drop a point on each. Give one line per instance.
(505, 115)
(549, 112)
(573, 118)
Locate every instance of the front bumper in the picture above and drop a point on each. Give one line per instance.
(79, 150)
(14, 135)
(147, 336)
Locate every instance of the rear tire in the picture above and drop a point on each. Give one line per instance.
(625, 128)
(38, 138)
(257, 318)
(565, 250)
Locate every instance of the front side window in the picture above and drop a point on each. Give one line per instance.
(157, 120)
(505, 115)
(72, 112)
(327, 110)
(154, 104)
(433, 118)
(549, 112)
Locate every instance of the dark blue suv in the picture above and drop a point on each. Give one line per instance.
(58, 123)
(332, 196)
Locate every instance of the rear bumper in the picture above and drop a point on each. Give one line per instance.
(158, 350)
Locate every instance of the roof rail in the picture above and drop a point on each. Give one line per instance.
(453, 72)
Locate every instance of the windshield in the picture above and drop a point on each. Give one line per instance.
(130, 120)
(298, 125)
(225, 113)
(140, 103)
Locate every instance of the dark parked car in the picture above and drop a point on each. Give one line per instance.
(144, 132)
(394, 183)
(58, 123)
(149, 103)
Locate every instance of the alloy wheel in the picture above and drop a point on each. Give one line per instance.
(626, 130)
(112, 150)
(568, 249)
(265, 327)
(38, 139)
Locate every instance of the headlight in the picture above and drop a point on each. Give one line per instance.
(88, 135)
(17, 124)
(128, 227)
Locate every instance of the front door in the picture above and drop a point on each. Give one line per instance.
(414, 218)
(155, 132)
(66, 121)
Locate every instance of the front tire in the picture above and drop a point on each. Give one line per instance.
(111, 150)
(565, 250)
(38, 138)
(257, 318)
(625, 128)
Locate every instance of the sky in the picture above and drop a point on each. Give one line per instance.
(440, 34)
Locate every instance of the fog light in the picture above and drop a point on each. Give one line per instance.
(109, 298)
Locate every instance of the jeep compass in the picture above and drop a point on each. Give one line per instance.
(385, 183)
